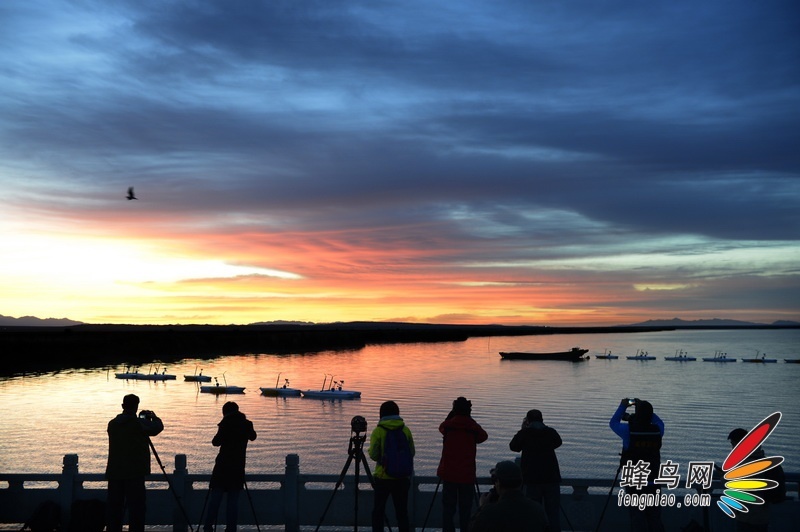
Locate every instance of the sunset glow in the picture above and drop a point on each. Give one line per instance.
(320, 165)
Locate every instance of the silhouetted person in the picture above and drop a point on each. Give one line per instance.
(387, 485)
(641, 440)
(461, 434)
(756, 519)
(227, 478)
(540, 472)
(505, 508)
(128, 463)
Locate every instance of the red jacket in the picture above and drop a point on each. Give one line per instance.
(461, 436)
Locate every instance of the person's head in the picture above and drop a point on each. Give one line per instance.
(130, 403)
(229, 408)
(534, 415)
(736, 436)
(389, 408)
(506, 475)
(462, 407)
(644, 413)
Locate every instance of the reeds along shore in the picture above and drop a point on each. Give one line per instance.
(42, 349)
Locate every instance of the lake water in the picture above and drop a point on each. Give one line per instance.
(48, 416)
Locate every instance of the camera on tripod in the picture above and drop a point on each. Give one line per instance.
(358, 424)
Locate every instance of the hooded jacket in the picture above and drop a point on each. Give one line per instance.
(538, 444)
(461, 434)
(378, 437)
(233, 433)
(129, 445)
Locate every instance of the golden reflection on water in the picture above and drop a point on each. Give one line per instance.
(45, 417)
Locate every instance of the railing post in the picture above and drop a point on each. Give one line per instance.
(291, 488)
(66, 486)
(179, 523)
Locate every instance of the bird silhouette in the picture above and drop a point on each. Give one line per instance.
(130, 194)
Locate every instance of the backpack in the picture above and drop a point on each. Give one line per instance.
(45, 518)
(397, 460)
(777, 494)
(88, 516)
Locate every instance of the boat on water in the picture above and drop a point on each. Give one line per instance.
(792, 360)
(641, 355)
(573, 355)
(197, 377)
(760, 360)
(332, 390)
(281, 391)
(681, 356)
(606, 356)
(221, 389)
(719, 356)
(129, 373)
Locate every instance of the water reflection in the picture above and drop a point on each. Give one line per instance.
(48, 416)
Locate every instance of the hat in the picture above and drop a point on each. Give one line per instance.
(534, 415)
(130, 401)
(736, 435)
(507, 471)
(462, 406)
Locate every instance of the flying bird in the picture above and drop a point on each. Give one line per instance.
(130, 194)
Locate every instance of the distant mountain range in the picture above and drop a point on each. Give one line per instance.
(33, 321)
(715, 322)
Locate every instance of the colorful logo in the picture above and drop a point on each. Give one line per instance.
(741, 477)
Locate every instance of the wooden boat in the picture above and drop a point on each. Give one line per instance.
(681, 356)
(334, 390)
(719, 356)
(197, 377)
(762, 360)
(220, 389)
(281, 391)
(607, 356)
(129, 374)
(573, 355)
(641, 355)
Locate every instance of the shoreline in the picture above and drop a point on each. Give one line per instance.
(45, 349)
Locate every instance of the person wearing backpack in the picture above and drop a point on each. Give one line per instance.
(456, 469)
(391, 446)
(756, 519)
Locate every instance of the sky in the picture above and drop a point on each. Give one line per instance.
(508, 162)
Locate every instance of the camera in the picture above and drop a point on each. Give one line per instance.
(147, 414)
(632, 402)
(358, 424)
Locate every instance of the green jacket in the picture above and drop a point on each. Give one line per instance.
(378, 437)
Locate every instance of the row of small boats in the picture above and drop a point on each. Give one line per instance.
(333, 389)
(683, 356)
(577, 354)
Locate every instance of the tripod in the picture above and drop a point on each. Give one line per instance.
(355, 451)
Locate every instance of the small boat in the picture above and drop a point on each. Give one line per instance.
(681, 356)
(335, 391)
(607, 355)
(762, 360)
(792, 360)
(197, 377)
(573, 355)
(281, 391)
(719, 356)
(641, 355)
(220, 389)
(129, 373)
